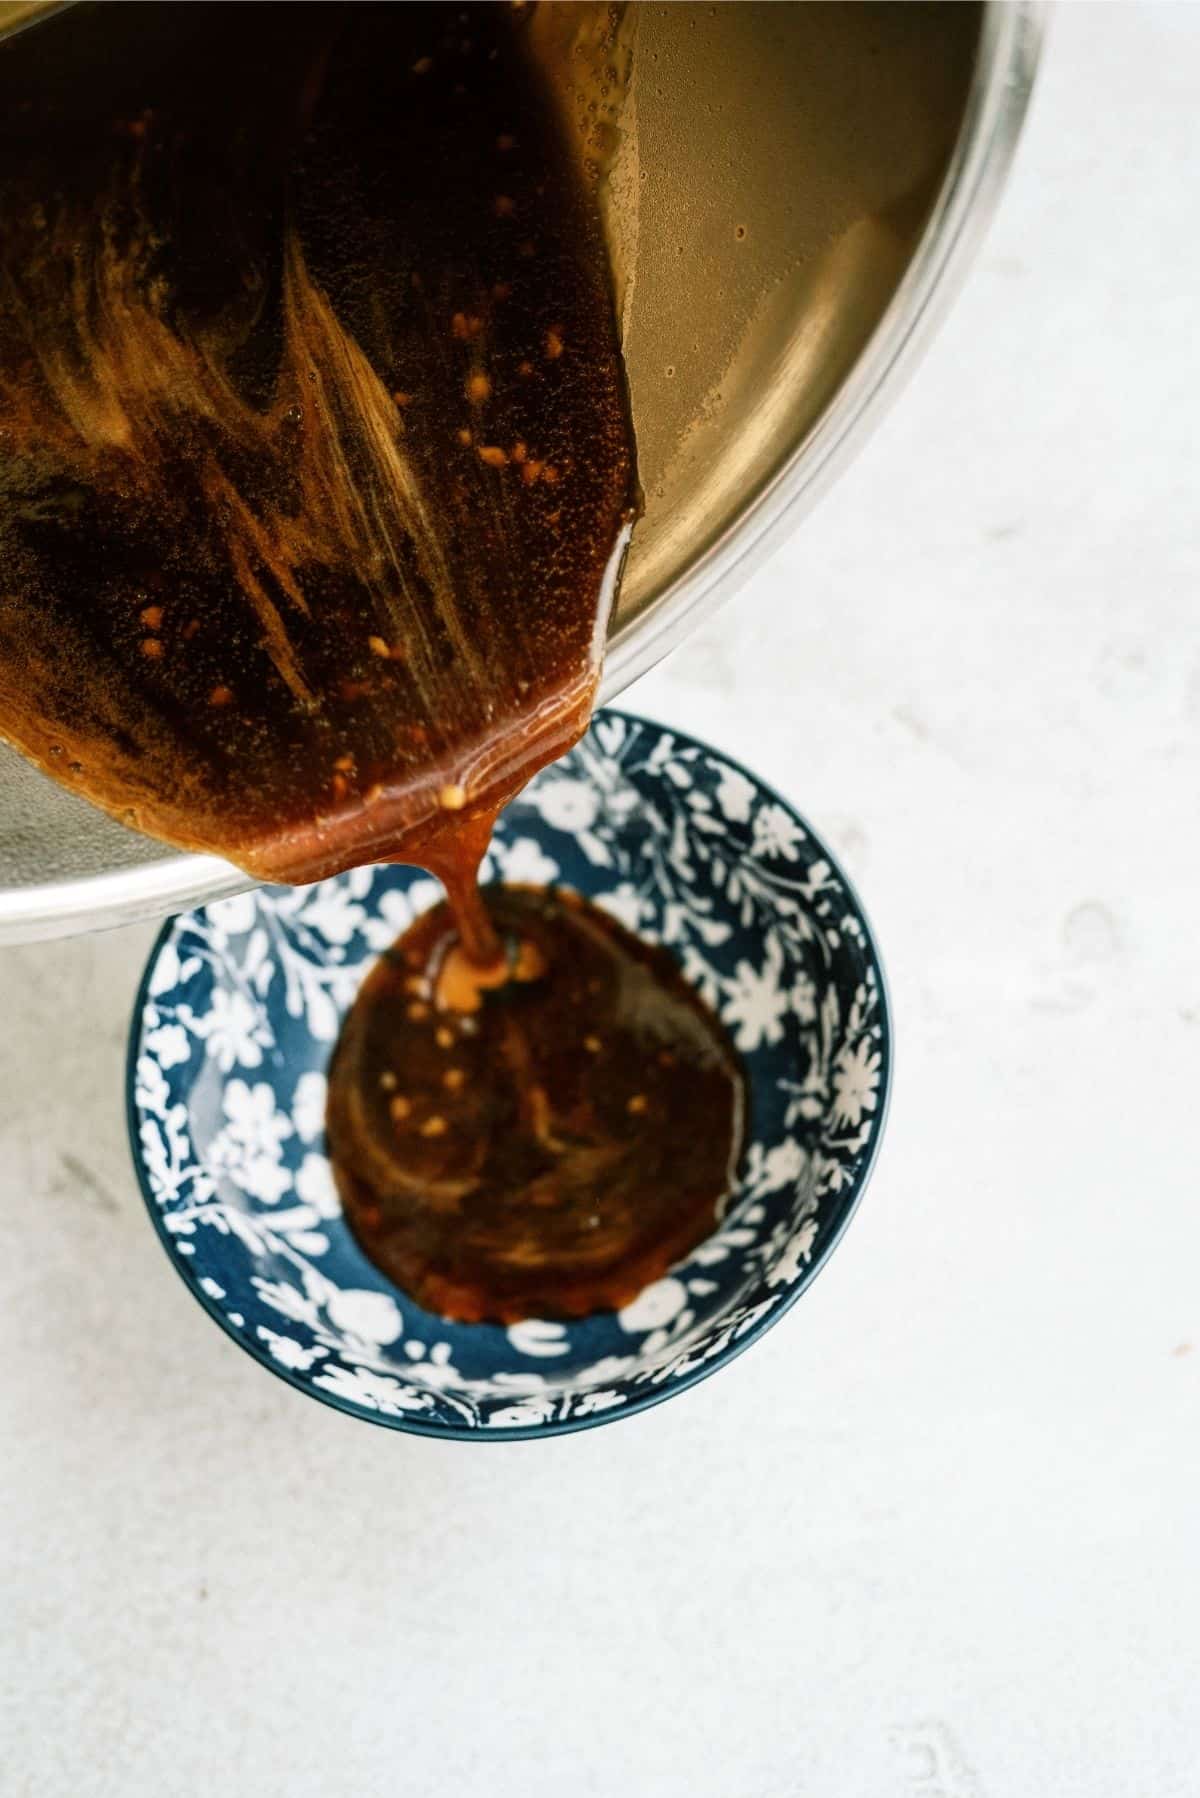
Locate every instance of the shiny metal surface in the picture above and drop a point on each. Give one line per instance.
(793, 193)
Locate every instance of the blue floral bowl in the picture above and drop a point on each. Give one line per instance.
(241, 1003)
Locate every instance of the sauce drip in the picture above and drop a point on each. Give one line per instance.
(549, 1152)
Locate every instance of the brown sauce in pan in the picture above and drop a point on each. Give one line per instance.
(315, 459)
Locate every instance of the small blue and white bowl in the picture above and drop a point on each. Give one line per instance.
(241, 1004)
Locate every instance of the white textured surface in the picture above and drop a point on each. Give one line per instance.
(938, 1536)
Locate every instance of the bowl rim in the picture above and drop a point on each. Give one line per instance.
(406, 1422)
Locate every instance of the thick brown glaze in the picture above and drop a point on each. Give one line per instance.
(315, 463)
(550, 1152)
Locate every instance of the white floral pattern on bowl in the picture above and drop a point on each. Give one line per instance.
(241, 1004)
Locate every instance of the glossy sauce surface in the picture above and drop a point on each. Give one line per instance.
(315, 461)
(554, 1149)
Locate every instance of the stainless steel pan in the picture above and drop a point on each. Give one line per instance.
(794, 192)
